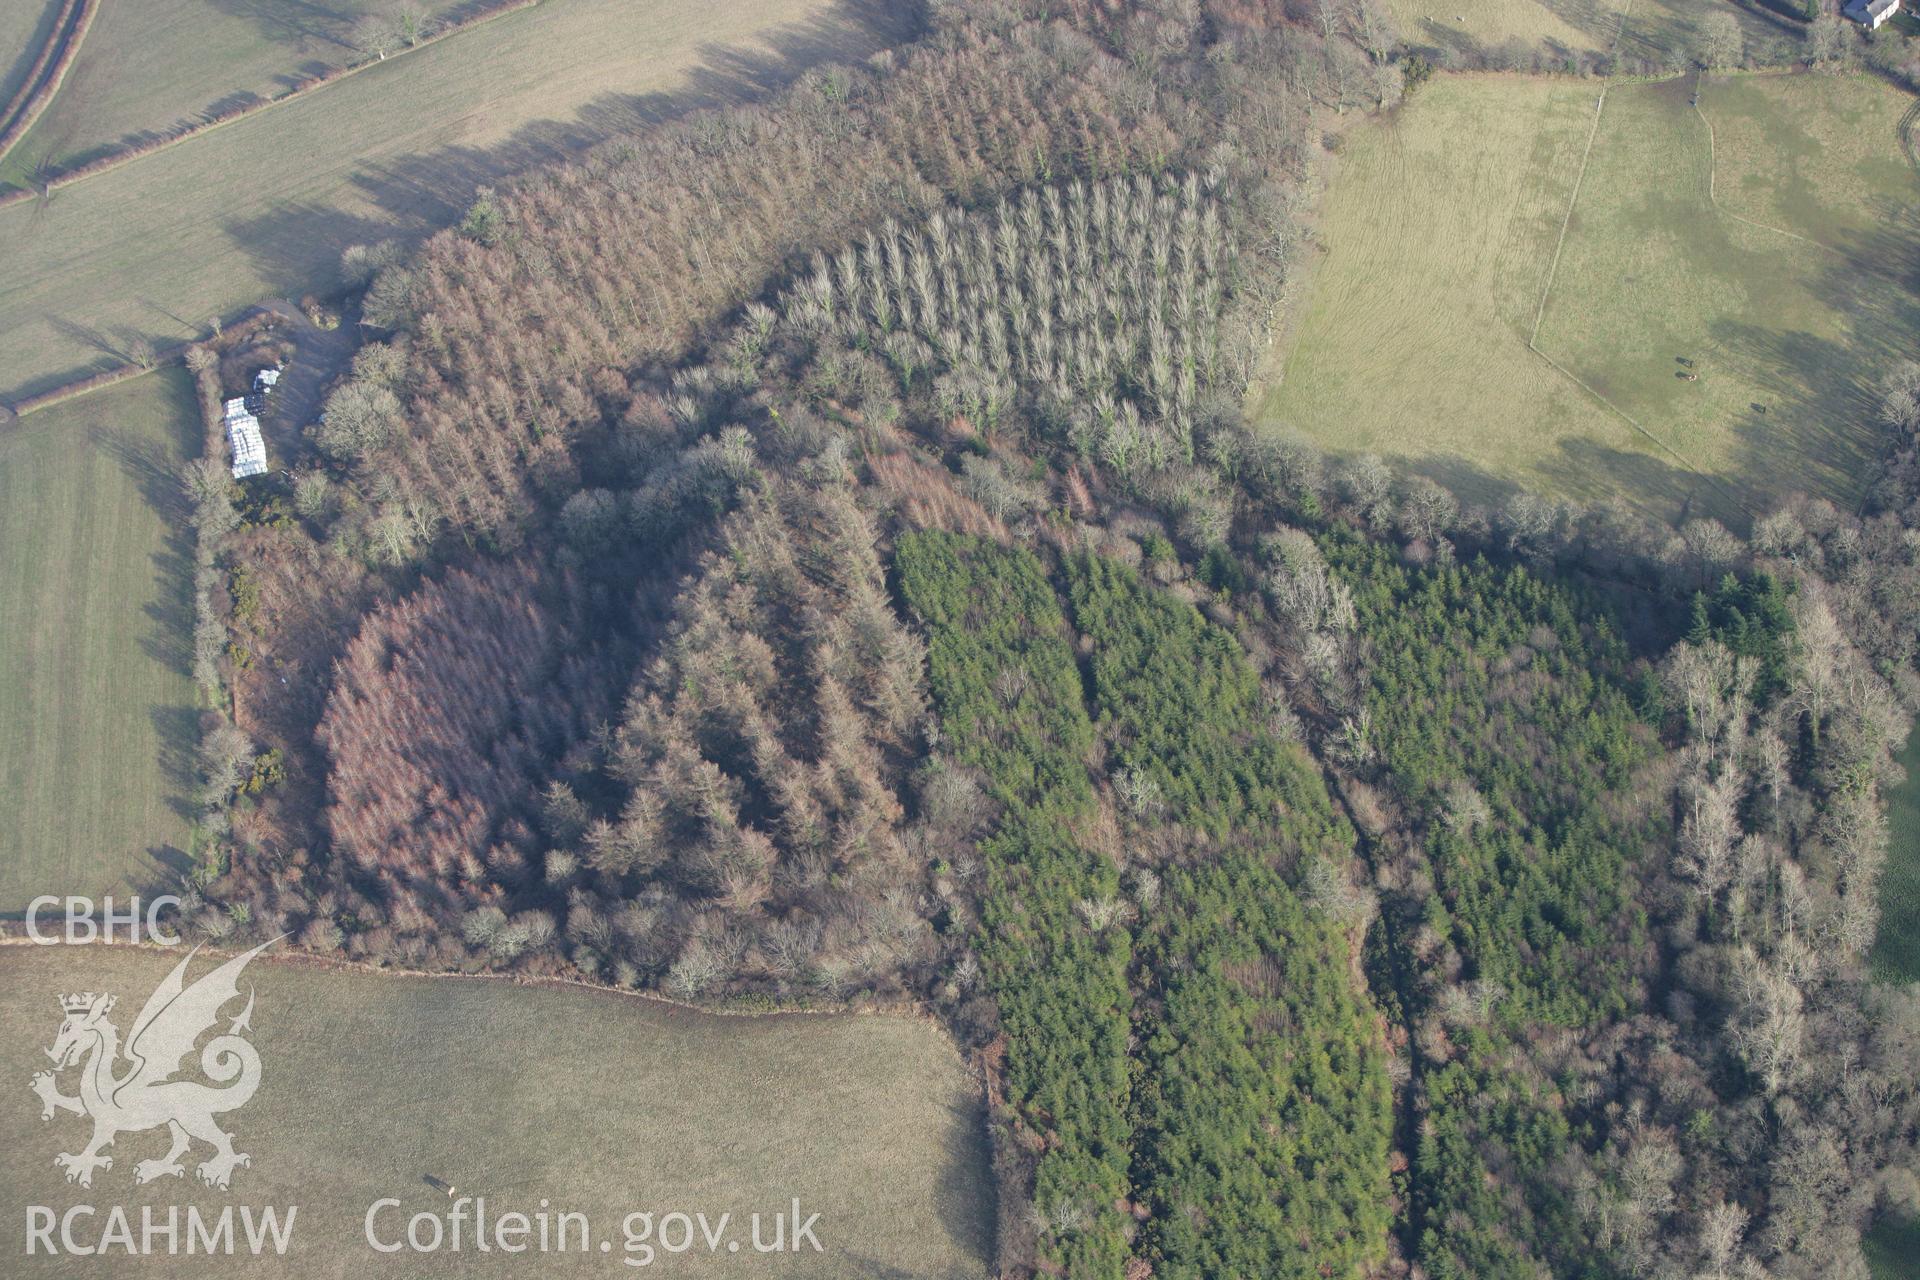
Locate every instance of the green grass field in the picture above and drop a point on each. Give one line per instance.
(262, 207)
(596, 1102)
(96, 708)
(1896, 950)
(150, 66)
(1441, 228)
(1437, 231)
(1566, 25)
(1669, 31)
(1661, 31)
(1652, 273)
(1893, 1249)
(24, 26)
(1816, 155)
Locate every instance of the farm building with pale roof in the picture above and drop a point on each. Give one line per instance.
(243, 434)
(1871, 13)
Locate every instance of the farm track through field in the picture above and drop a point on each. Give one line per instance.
(1908, 119)
(1553, 267)
(1714, 201)
(1552, 270)
(1599, 108)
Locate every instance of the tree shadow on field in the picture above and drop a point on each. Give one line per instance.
(1453, 47)
(327, 25)
(168, 636)
(301, 23)
(178, 729)
(15, 63)
(1787, 15)
(964, 1197)
(1825, 393)
(1671, 36)
(1599, 19)
(1663, 491)
(1889, 250)
(424, 192)
(167, 866)
(230, 104)
(1654, 488)
(1463, 480)
(311, 69)
(1820, 399)
(115, 346)
(965, 1187)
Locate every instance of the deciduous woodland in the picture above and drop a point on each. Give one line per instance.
(814, 553)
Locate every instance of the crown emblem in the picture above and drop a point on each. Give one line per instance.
(174, 1020)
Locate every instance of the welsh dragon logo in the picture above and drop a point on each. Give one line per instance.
(143, 1094)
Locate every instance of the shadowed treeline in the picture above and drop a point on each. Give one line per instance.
(245, 212)
(422, 192)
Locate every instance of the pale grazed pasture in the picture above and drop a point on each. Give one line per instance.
(1569, 26)
(263, 206)
(1438, 230)
(1789, 334)
(1510, 33)
(1441, 229)
(24, 27)
(97, 719)
(151, 66)
(594, 1102)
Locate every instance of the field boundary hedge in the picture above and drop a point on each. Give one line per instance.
(13, 933)
(37, 71)
(163, 355)
(49, 70)
(92, 382)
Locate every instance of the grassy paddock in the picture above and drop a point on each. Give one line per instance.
(1816, 155)
(1567, 26)
(1670, 31)
(1441, 229)
(1665, 32)
(263, 206)
(1788, 336)
(1438, 230)
(1893, 1249)
(151, 66)
(25, 25)
(1896, 950)
(596, 1102)
(96, 707)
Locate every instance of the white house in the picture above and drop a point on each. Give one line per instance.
(243, 434)
(1871, 14)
